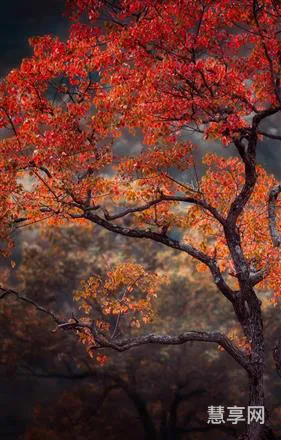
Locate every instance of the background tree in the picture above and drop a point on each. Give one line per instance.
(169, 69)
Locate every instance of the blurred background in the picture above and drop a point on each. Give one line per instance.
(52, 389)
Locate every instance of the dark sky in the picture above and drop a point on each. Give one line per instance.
(21, 19)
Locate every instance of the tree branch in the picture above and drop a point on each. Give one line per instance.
(148, 234)
(170, 242)
(248, 155)
(214, 337)
(163, 198)
(6, 292)
(260, 116)
(126, 344)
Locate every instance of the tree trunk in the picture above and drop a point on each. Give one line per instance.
(255, 430)
(248, 312)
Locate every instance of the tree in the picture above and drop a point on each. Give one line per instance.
(168, 70)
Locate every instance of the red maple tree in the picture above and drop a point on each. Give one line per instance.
(178, 72)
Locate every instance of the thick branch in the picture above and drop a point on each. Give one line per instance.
(220, 281)
(163, 198)
(123, 345)
(248, 155)
(148, 234)
(264, 114)
(214, 337)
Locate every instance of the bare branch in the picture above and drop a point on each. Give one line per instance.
(192, 200)
(264, 114)
(148, 234)
(6, 292)
(126, 344)
(214, 337)
(220, 281)
(248, 155)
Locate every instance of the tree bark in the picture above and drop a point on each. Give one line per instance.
(249, 315)
(256, 430)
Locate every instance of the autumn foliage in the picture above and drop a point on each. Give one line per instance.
(175, 73)
(64, 107)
